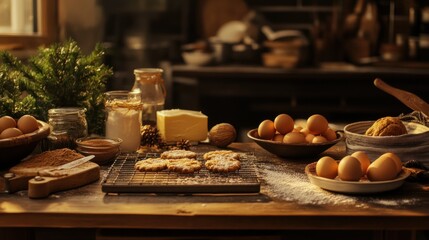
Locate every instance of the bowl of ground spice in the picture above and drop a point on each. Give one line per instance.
(104, 149)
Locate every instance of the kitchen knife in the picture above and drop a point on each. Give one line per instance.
(75, 163)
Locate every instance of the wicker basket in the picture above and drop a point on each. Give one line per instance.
(411, 146)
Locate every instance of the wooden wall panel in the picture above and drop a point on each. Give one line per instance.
(212, 14)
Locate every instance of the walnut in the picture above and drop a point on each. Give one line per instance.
(222, 134)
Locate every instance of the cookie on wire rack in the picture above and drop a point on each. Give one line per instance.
(151, 165)
(219, 165)
(221, 154)
(177, 154)
(184, 165)
(222, 161)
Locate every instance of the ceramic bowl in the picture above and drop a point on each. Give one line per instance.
(197, 58)
(298, 150)
(13, 150)
(232, 32)
(104, 149)
(411, 146)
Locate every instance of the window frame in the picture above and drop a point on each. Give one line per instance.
(48, 29)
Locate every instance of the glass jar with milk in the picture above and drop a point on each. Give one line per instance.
(150, 84)
(124, 118)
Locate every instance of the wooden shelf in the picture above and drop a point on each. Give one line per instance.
(296, 9)
(341, 90)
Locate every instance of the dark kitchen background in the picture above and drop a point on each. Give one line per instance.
(242, 61)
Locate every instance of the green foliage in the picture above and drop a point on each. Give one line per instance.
(13, 101)
(57, 76)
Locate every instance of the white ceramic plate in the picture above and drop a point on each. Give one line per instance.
(363, 186)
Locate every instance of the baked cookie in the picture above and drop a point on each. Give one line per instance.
(151, 165)
(387, 126)
(177, 154)
(220, 165)
(184, 165)
(221, 154)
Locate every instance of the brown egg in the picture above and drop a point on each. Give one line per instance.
(382, 169)
(305, 131)
(7, 122)
(283, 123)
(317, 124)
(327, 167)
(319, 139)
(27, 124)
(329, 134)
(309, 138)
(266, 129)
(349, 169)
(363, 159)
(10, 132)
(396, 159)
(294, 137)
(278, 138)
(297, 129)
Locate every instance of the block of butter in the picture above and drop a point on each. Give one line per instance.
(177, 124)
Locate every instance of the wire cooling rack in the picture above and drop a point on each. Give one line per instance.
(123, 178)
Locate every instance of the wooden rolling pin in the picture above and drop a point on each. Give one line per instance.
(409, 99)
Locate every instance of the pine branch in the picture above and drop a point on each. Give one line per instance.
(60, 76)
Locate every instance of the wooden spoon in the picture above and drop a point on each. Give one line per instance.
(409, 99)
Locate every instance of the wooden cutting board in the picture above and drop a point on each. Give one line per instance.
(42, 186)
(29, 174)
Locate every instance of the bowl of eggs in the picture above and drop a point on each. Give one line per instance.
(19, 138)
(282, 138)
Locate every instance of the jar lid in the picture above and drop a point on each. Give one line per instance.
(123, 99)
(66, 111)
(148, 70)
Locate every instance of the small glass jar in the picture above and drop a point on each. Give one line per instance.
(123, 118)
(67, 125)
(150, 84)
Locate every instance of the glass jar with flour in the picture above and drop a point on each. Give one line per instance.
(124, 118)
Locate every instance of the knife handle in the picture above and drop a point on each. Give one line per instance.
(43, 186)
(409, 99)
(14, 183)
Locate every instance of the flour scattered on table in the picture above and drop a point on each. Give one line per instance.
(288, 185)
(394, 202)
(291, 186)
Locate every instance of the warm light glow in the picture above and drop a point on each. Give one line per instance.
(19, 17)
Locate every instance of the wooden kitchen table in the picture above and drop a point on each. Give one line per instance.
(287, 207)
